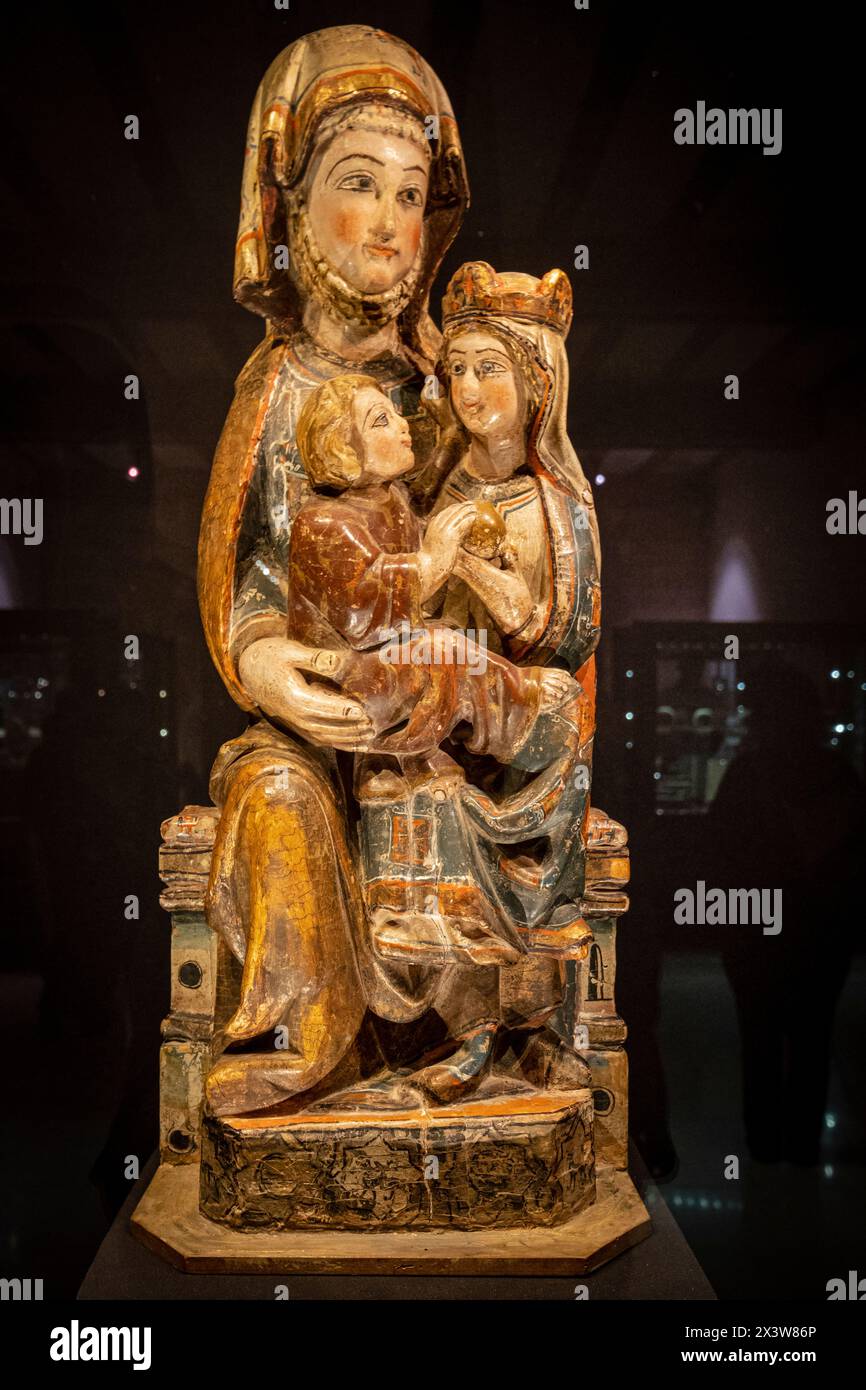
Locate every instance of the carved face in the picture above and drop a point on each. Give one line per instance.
(487, 389)
(366, 194)
(382, 436)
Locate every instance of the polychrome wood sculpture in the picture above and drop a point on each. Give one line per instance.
(394, 931)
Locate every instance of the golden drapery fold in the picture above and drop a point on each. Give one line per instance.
(284, 895)
(222, 515)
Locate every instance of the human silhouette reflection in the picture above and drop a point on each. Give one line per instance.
(790, 814)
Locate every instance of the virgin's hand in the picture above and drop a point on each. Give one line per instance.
(320, 661)
(509, 556)
(480, 574)
(505, 593)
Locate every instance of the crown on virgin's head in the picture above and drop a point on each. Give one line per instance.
(475, 290)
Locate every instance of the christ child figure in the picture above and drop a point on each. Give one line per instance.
(360, 570)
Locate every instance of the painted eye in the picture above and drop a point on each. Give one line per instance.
(358, 183)
(488, 368)
(458, 369)
(412, 197)
(380, 420)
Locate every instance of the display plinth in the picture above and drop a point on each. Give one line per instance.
(168, 1221)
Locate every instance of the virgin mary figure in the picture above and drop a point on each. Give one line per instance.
(353, 187)
(504, 365)
(510, 844)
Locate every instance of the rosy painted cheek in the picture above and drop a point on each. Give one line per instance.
(348, 227)
(500, 398)
(413, 238)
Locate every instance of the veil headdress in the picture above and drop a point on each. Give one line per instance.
(308, 85)
(311, 89)
(534, 316)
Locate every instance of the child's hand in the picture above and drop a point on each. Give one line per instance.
(447, 528)
(445, 531)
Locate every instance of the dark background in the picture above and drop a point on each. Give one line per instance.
(703, 262)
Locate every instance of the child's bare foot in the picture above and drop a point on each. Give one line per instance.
(556, 688)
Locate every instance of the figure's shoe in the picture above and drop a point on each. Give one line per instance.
(437, 940)
(392, 1092)
(455, 1077)
(565, 935)
(461, 1073)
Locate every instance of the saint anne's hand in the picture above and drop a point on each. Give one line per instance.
(271, 673)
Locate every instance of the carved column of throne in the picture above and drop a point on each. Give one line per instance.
(205, 981)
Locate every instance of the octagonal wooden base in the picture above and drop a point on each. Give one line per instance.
(169, 1222)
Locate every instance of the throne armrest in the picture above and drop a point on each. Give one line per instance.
(185, 856)
(607, 866)
(188, 840)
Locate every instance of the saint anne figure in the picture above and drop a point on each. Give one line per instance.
(339, 170)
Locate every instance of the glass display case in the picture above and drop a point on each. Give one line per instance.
(684, 707)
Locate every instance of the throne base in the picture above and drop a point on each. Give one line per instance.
(168, 1221)
(505, 1161)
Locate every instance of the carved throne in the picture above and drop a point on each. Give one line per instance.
(205, 980)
